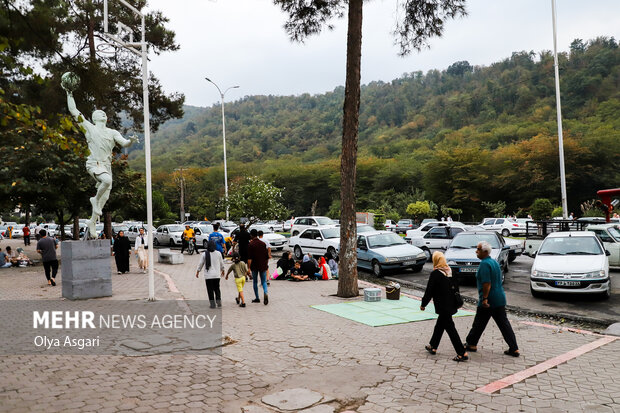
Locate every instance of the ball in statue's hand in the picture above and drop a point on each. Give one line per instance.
(69, 81)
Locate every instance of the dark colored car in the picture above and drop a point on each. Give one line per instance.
(404, 225)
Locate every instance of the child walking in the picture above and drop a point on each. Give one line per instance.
(240, 271)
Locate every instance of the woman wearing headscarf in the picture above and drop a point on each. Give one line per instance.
(439, 290)
(324, 271)
(213, 262)
(309, 268)
(121, 249)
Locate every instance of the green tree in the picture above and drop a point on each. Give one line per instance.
(256, 199)
(557, 212)
(541, 208)
(496, 209)
(419, 209)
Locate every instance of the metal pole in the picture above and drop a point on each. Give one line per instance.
(559, 114)
(225, 167)
(147, 156)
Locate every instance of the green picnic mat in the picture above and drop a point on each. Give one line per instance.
(384, 312)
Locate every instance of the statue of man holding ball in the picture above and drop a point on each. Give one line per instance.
(101, 141)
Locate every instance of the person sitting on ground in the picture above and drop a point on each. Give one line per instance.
(5, 261)
(297, 274)
(12, 256)
(333, 265)
(286, 264)
(22, 258)
(324, 271)
(309, 267)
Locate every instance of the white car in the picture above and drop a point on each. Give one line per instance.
(435, 239)
(610, 235)
(202, 232)
(425, 227)
(316, 241)
(168, 235)
(277, 241)
(286, 225)
(134, 230)
(302, 223)
(571, 262)
(389, 225)
(504, 226)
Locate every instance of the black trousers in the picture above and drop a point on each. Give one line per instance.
(50, 266)
(445, 323)
(213, 289)
(184, 245)
(483, 315)
(26, 240)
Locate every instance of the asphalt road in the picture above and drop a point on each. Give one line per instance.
(578, 307)
(573, 307)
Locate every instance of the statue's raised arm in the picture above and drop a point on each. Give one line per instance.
(69, 82)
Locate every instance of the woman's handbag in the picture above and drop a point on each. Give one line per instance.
(456, 293)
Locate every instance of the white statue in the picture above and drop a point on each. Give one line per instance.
(101, 141)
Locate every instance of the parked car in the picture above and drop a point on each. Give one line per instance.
(610, 235)
(365, 228)
(202, 232)
(505, 226)
(286, 225)
(461, 253)
(435, 239)
(116, 228)
(425, 227)
(302, 223)
(389, 225)
(381, 251)
(571, 262)
(277, 241)
(134, 230)
(168, 235)
(316, 241)
(404, 225)
(52, 228)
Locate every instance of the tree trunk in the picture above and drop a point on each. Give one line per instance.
(347, 280)
(107, 225)
(76, 227)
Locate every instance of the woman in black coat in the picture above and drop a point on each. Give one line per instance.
(286, 263)
(438, 289)
(121, 250)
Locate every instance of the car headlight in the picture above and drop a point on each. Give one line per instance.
(452, 262)
(596, 274)
(391, 259)
(537, 273)
(421, 255)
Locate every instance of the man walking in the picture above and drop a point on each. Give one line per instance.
(258, 261)
(47, 248)
(37, 231)
(243, 240)
(218, 238)
(491, 303)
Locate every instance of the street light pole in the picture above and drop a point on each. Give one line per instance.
(559, 116)
(224, 140)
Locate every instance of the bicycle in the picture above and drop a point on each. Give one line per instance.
(191, 246)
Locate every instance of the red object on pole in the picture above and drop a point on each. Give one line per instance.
(606, 196)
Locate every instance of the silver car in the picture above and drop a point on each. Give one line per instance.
(168, 235)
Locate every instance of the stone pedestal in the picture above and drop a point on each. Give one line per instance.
(86, 269)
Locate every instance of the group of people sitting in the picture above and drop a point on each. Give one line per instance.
(309, 268)
(11, 258)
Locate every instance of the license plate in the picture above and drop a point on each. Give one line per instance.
(409, 263)
(468, 269)
(568, 283)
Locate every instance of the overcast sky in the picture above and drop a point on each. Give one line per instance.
(242, 42)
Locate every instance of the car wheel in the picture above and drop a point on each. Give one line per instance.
(156, 242)
(332, 252)
(505, 232)
(297, 252)
(376, 269)
(607, 294)
(417, 268)
(429, 256)
(295, 233)
(172, 242)
(535, 294)
(512, 256)
(205, 243)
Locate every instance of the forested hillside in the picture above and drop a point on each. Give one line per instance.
(457, 137)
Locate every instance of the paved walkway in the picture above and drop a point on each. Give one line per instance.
(287, 345)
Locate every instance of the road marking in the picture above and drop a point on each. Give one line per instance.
(544, 366)
(171, 285)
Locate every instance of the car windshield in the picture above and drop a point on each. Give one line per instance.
(365, 228)
(614, 232)
(472, 240)
(404, 221)
(384, 240)
(570, 246)
(176, 228)
(324, 221)
(330, 233)
(205, 229)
